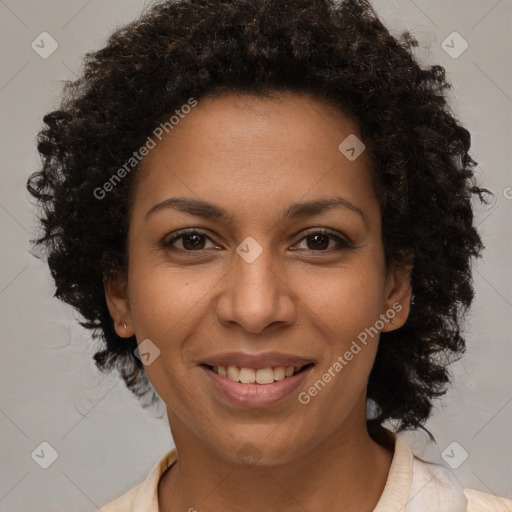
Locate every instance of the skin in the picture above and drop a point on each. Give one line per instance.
(255, 157)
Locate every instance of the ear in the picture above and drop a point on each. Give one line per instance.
(116, 295)
(398, 294)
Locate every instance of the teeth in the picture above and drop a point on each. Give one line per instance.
(250, 376)
(279, 372)
(233, 373)
(247, 376)
(265, 376)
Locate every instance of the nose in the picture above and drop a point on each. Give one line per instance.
(256, 296)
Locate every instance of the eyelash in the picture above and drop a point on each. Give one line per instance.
(167, 244)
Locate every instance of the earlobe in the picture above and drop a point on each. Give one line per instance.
(399, 296)
(116, 296)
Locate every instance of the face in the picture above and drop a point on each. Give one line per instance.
(268, 276)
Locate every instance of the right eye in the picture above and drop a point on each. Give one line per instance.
(192, 240)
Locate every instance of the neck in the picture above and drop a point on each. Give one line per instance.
(347, 471)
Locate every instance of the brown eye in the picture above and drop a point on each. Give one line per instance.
(194, 241)
(319, 241)
(191, 241)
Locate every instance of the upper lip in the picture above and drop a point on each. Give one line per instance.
(257, 361)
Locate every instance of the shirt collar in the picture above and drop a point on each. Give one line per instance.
(398, 484)
(395, 496)
(146, 499)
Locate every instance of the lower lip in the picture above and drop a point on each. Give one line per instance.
(256, 395)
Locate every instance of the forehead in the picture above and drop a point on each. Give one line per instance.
(248, 150)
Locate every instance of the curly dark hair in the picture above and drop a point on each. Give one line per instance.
(338, 51)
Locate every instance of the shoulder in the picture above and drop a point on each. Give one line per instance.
(435, 487)
(124, 503)
(483, 502)
(144, 496)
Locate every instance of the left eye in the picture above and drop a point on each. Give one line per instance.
(320, 240)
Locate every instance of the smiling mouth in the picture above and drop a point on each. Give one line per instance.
(263, 376)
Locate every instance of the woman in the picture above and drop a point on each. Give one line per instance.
(240, 198)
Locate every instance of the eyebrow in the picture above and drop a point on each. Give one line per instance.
(208, 210)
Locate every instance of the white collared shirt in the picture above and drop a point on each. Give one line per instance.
(413, 485)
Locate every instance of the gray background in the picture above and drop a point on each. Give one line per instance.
(106, 443)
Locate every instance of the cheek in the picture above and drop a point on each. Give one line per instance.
(345, 307)
(161, 296)
(344, 314)
(346, 300)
